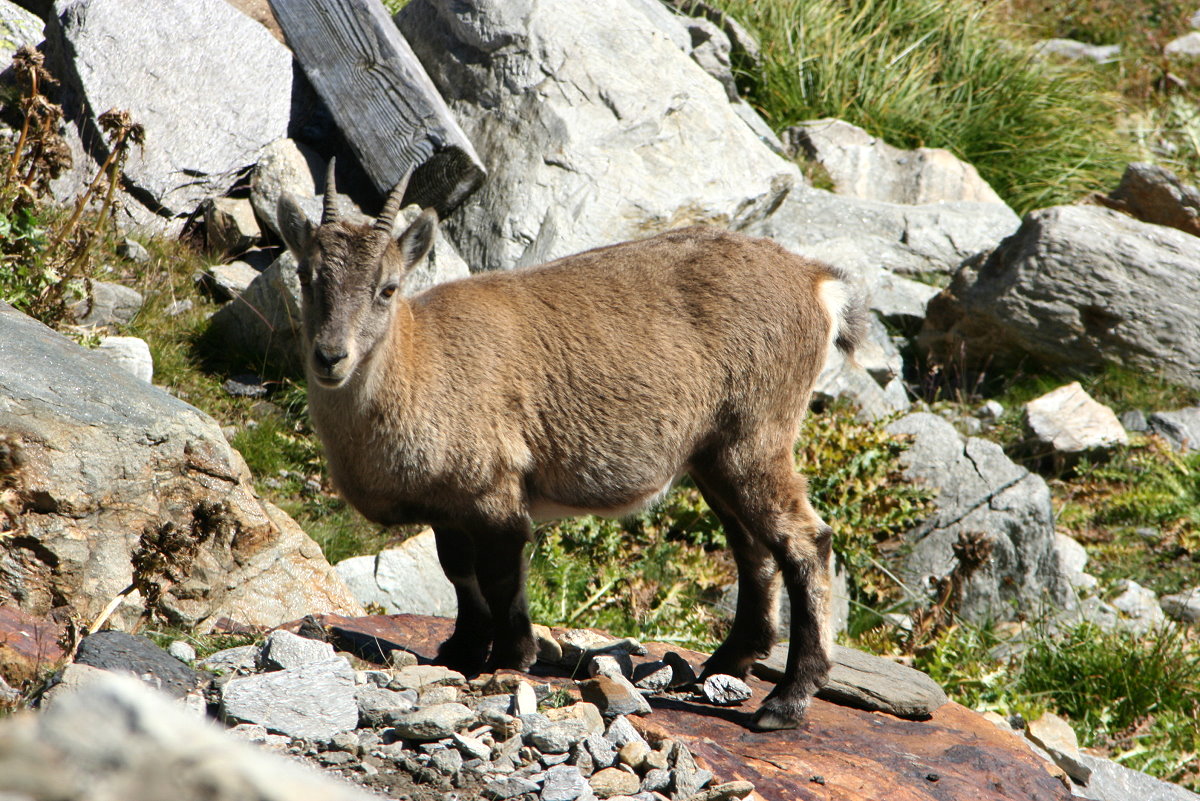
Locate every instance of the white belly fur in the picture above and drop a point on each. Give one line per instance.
(542, 509)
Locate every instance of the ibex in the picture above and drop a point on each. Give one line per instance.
(583, 386)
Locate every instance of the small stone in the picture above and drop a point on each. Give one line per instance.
(1069, 421)
(134, 251)
(730, 791)
(653, 677)
(230, 225)
(686, 783)
(634, 754)
(380, 707)
(433, 722)
(614, 781)
(582, 759)
(471, 747)
(432, 694)
(509, 787)
(556, 738)
(548, 649)
(617, 667)
(724, 690)
(400, 658)
(179, 307)
(602, 752)
(990, 410)
(1057, 737)
(621, 731)
(183, 651)
(241, 659)
(417, 676)
(447, 761)
(335, 759)
(313, 701)
(656, 780)
(524, 699)
(1140, 606)
(130, 354)
(1183, 606)
(564, 783)
(245, 385)
(1134, 420)
(226, 282)
(613, 696)
(658, 760)
(109, 304)
(550, 760)
(683, 673)
(583, 711)
(283, 650)
(345, 741)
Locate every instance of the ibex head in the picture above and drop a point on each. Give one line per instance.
(350, 277)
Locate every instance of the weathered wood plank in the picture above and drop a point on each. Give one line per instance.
(381, 98)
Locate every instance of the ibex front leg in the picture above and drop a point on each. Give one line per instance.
(500, 569)
(466, 650)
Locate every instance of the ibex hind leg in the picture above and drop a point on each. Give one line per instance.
(467, 649)
(771, 502)
(754, 624)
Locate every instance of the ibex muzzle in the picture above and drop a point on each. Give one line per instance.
(584, 385)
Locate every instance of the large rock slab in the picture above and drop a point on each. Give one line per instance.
(116, 739)
(910, 240)
(1077, 286)
(1111, 781)
(29, 645)
(837, 753)
(118, 652)
(210, 86)
(117, 481)
(1179, 427)
(407, 579)
(981, 491)
(592, 132)
(864, 166)
(18, 27)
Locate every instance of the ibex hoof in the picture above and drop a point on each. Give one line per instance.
(769, 720)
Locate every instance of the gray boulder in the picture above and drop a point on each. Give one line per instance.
(210, 86)
(130, 483)
(116, 739)
(1182, 606)
(980, 490)
(872, 235)
(1077, 286)
(285, 166)
(863, 166)
(590, 136)
(1181, 428)
(18, 27)
(1183, 48)
(407, 579)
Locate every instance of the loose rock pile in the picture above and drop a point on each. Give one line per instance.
(428, 731)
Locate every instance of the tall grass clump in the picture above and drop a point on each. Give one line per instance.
(938, 73)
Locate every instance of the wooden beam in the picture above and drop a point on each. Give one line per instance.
(382, 99)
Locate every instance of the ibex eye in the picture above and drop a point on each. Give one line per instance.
(387, 291)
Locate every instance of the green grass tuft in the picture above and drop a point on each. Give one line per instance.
(939, 74)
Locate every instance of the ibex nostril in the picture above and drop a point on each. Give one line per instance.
(327, 357)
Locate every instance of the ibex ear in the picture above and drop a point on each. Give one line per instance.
(294, 224)
(417, 239)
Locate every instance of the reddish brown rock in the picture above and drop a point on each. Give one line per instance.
(856, 755)
(29, 645)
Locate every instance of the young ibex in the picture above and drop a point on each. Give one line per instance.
(582, 386)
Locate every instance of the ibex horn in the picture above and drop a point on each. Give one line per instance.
(387, 217)
(329, 212)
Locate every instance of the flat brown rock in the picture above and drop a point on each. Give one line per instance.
(839, 753)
